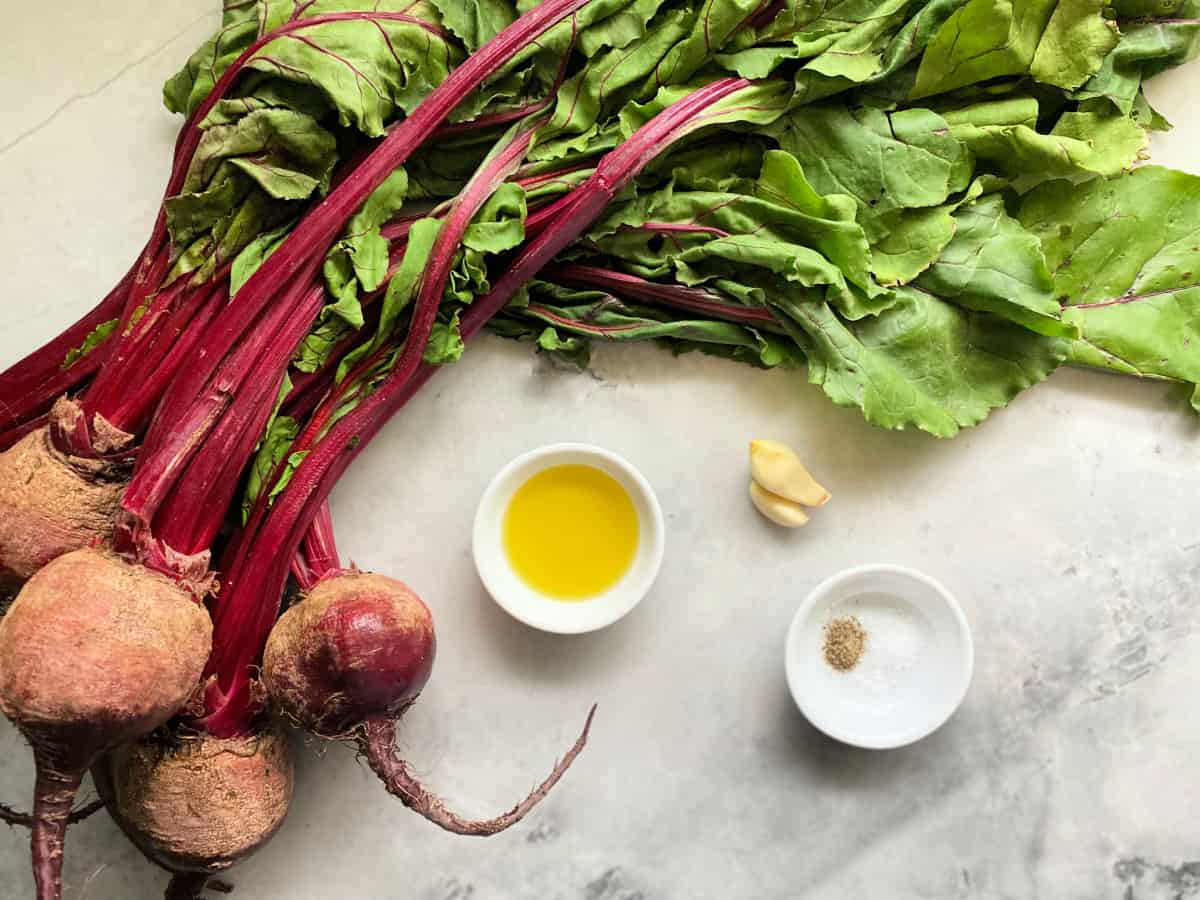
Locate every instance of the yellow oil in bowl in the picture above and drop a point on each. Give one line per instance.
(571, 532)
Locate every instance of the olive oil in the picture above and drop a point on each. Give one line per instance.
(571, 532)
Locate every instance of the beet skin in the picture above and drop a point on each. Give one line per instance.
(359, 647)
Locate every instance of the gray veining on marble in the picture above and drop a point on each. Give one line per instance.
(1066, 525)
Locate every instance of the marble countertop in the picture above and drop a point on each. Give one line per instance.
(1066, 525)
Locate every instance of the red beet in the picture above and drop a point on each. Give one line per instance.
(94, 652)
(348, 660)
(195, 804)
(359, 647)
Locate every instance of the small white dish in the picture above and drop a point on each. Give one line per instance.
(523, 602)
(913, 673)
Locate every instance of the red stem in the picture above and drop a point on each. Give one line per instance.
(196, 498)
(320, 546)
(145, 360)
(139, 403)
(677, 295)
(180, 428)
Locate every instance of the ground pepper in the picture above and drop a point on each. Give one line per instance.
(845, 643)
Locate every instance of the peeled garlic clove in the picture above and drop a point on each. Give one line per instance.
(778, 469)
(778, 509)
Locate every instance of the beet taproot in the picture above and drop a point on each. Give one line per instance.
(94, 652)
(348, 660)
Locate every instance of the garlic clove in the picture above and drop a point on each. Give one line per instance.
(777, 468)
(778, 509)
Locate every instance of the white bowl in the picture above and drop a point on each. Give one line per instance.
(534, 608)
(913, 674)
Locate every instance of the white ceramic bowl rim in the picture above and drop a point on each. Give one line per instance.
(522, 601)
(963, 665)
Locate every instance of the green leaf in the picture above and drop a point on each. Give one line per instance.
(401, 292)
(368, 70)
(827, 223)
(622, 28)
(94, 339)
(844, 43)
(982, 40)
(922, 362)
(884, 161)
(857, 54)
(339, 319)
(1001, 134)
(611, 320)
(1116, 143)
(279, 153)
(359, 259)
(602, 86)
(261, 92)
(587, 28)
(439, 170)
(188, 88)
(363, 243)
(254, 254)
(1152, 40)
(273, 449)
(285, 152)
(475, 22)
(1059, 42)
(905, 242)
(499, 226)
(783, 229)
(445, 342)
(228, 237)
(758, 105)
(711, 26)
(1075, 43)
(1125, 255)
(574, 350)
(994, 265)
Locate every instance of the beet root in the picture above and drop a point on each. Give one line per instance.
(50, 504)
(378, 744)
(197, 804)
(94, 652)
(348, 660)
(15, 818)
(358, 647)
